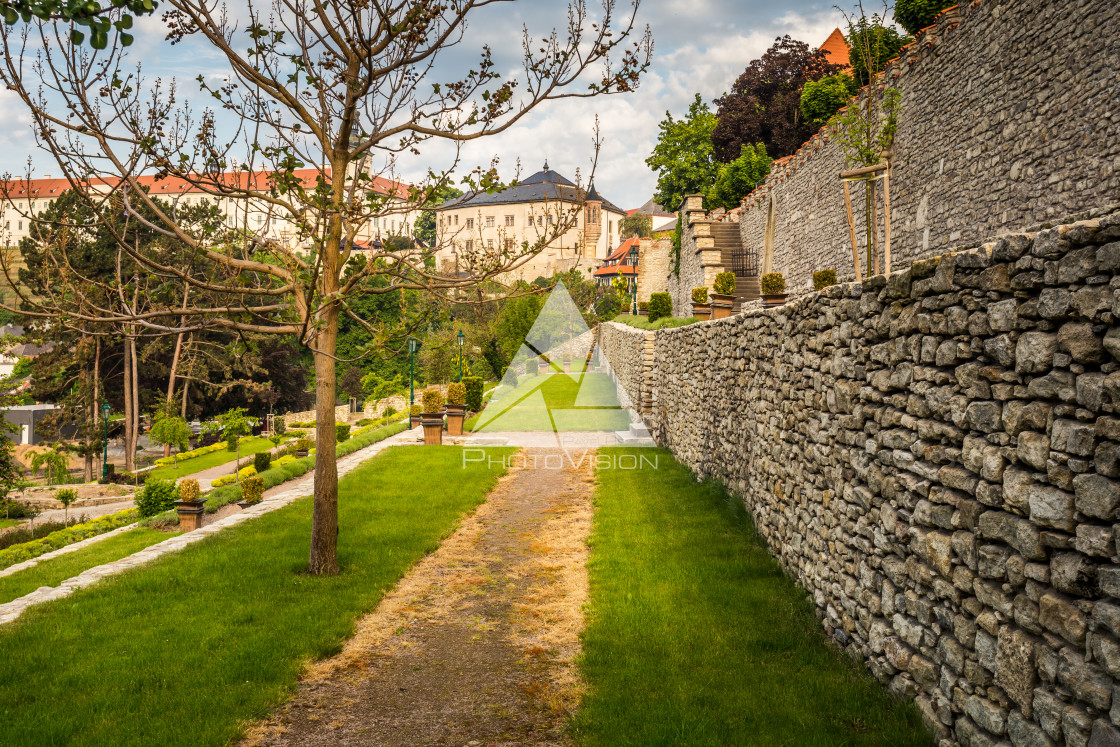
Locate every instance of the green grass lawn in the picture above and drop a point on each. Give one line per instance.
(695, 636)
(56, 570)
(5, 523)
(186, 649)
(554, 402)
(213, 459)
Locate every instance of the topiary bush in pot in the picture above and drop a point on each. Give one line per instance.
(823, 279)
(456, 393)
(700, 295)
(773, 284)
(341, 432)
(252, 489)
(724, 284)
(431, 399)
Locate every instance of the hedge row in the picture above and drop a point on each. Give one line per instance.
(200, 451)
(63, 537)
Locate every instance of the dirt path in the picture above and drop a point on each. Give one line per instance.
(477, 644)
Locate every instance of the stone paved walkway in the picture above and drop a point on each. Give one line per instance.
(277, 497)
(476, 644)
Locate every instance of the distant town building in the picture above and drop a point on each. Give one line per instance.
(481, 223)
(836, 50)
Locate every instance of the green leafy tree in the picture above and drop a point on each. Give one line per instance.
(100, 18)
(234, 426)
(737, 179)
(66, 497)
(170, 429)
(54, 463)
(915, 15)
(820, 99)
(683, 158)
(871, 43)
(638, 224)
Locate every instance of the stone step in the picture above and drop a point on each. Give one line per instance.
(628, 438)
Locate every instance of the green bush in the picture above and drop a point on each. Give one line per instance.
(252, 488)
(823, 278)
(456, 393)
(700, 295)
(63, 537)
(473, 397)
(415, 410)
(261, 460)
(660, 306)
(341, 433)
(279, 425)
(156, 496)
(303, 444)
(643, 306)
(915, 15)
(773, 284)
(724, 284)
(367, 421)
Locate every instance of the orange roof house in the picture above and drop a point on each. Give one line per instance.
(836, 49)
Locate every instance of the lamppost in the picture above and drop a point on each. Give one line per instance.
(634, 280)
(459, 337)
(105, 458)
(413, 346)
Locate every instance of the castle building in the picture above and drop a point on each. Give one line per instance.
(481, 224)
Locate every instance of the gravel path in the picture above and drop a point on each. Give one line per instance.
(476, 644)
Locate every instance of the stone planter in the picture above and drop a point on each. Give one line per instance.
(643, 312)
(455, 416)
(542, 368)
(433, 428)
(721, 305)
(414, 420)
(301, 453)
(567, 366)
(190, 514)
(701, 311)
(770, 300)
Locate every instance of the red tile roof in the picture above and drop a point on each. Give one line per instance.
(835, 48)
(616, 270)
(623, 249)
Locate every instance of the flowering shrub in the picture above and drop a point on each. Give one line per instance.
(227, 479)
(200, 451)
(63, 537)
(252, 488)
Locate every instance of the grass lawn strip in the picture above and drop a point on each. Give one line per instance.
(213, 459)
(12, 610)
(5, 523)
(55, 570)
(554, 402)
(696, 636)
(187, 649)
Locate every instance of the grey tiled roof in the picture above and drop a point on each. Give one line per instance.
(543, 185)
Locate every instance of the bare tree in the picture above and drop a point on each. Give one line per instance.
(344, 88)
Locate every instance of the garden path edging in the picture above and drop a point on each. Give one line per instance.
(12, 610)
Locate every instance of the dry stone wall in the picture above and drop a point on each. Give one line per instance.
(936, 458)
(1009, 117)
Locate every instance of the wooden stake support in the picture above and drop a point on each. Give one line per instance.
(887, 220)
(852, 231)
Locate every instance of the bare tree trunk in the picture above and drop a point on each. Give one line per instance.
(135, 407)
(97, 392)
(128, 453)
(324, 522)
(183, 412)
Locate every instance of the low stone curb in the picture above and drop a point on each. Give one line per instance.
(12, 610)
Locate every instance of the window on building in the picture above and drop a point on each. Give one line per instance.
(489, 243)
(470, 222)
(550, 220)
(20, 225)
(489, 221)
(260, 219)
(441, 221)
(509, 221)
(470, 245)
(509, 245)
(456, 220)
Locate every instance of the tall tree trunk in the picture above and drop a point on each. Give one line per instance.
(183, 411)
(97, 394)
(128, 452)
(135, 406)
(324, 521)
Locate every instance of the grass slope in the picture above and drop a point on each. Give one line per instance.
(213, 459)
(695, 636)
(554, 402)
(188, 648)
(56, 570)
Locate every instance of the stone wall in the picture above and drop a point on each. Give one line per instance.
(700, 261)
(936, 459)
(653, 266)
(1008, 118)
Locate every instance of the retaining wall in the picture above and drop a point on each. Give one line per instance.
(936, 458)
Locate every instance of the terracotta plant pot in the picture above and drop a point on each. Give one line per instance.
(721, 305)
(543, 368)
(567, 366)
(433, 428)
(455, 416)
(414, 420)
(301, 453)
(701, 311)
(190, 514)
(770, 300)
(643, 312)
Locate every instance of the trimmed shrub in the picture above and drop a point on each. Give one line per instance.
(280, 426)
(724, 283)
(773, 283)
(823, 278)
(188, 490)
(252, 488)
(261, 460)
(643, 305)
(699, 295)
(431, 399)
(303, 444)
(155, 497)
(456, 393)
(341, 433)
(473, 397)
(660, 306)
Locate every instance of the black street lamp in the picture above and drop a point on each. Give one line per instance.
(634, 280)
(413, 346)
(459, 337)
(105, 457)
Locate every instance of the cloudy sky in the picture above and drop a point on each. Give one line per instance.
(700, 46)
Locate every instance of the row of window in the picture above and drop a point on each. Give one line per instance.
(507, 244)
(489, 221)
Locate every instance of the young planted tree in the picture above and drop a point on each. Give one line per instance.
(341, 88)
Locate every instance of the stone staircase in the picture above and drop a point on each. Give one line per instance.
(730, 244)
(638, 435)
